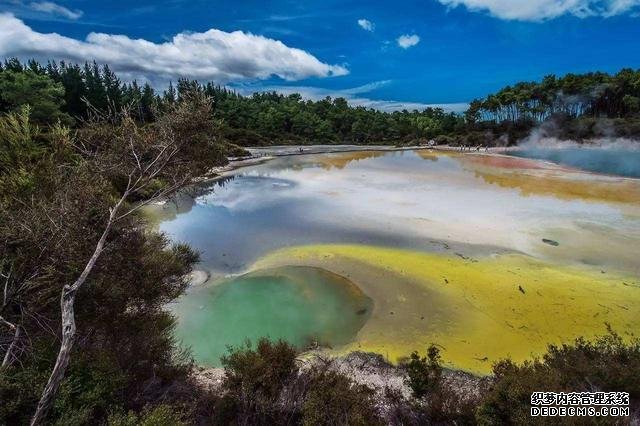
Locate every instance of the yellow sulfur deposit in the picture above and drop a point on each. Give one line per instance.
(476, 310)
(342, 160)
(532, 177)
(619, 190)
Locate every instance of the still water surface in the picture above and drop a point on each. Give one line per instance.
(614, 161)
(460, 205)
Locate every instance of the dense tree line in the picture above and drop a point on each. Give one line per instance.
(598, 95)
(260, 119)
(578, 106)
(265, 117)
(77, 91)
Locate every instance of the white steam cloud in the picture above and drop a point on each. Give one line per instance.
(538, 140)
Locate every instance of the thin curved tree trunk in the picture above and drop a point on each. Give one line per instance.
(67, 305)
(8, 356)
(142, 174)
(57, 375)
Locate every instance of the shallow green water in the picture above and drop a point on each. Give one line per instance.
(301, 305)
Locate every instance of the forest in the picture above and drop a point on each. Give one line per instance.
(70, 93)
(596, 95)
(575, 107)
(84, 334)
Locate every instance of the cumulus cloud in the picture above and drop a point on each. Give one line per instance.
(55, 9)
(539, 10)
(406, 41)
(211, 55)
(354, 96)
(366, 24)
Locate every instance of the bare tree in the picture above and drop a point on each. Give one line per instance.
(143, 157)
(11, 325)
(16, 329)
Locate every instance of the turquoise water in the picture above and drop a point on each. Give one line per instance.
(622, 162)
(302, 305)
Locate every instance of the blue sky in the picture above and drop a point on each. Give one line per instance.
(387, 55)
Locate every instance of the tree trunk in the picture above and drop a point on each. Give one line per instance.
(8, 356)
(57, 375)
(67, 301)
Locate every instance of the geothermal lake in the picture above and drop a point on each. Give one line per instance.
(613, 160)
(487, 256)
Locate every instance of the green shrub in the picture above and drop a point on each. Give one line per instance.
(334, 399)
(162, 415)
(233, 150)
(19, 393)
(424, 374)
(437, 401)
(444, 140)
(254, 380)
(607, 365)
(244, 137)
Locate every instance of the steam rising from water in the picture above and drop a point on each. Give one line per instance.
(608, 155)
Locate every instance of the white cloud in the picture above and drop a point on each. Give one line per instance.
(55, 9)
(211, 55)
(352, 96)
(539, 10)
(406, 41)
(366, 24)
(366, 88)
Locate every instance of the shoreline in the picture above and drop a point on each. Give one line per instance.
(365, 368)
(260, 155)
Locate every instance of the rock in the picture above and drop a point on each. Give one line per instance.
(550, 242)
(209, 378)
(198, 277)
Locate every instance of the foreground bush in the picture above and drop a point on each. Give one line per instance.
(265, 385)
(57, 191)
(254, 380)
(162, 415)
(424, 375)
(334, 399)
(605, 365)
(436, 400)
